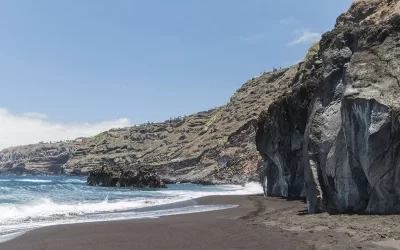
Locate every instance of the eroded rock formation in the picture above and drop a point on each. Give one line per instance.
(340, 135)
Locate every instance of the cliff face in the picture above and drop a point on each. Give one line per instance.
(343, 144)
(216, 146)
(41, 158)
(281, 128)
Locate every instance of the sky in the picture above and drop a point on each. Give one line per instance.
(72, 68)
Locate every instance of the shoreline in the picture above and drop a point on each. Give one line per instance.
(253, 224)
(154, 208)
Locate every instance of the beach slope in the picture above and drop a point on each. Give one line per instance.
(257, 223)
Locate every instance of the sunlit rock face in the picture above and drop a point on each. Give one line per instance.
(344, 146)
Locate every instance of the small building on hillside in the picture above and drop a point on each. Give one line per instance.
(80, 140)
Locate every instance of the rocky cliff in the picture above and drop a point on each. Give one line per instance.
(215, 146)
(281, 128)
(335, 136)
(42, 158)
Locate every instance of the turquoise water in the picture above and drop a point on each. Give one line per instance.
(30, 202)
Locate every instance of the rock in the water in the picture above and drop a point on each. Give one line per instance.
(117, 177)
(337, 130)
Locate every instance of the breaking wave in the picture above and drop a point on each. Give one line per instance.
(28, 203)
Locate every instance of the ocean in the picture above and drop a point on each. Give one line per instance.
(28, 202)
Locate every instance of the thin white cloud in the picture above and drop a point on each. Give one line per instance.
(36, 115)
(251, 38)
(304, 37)
(34, 127)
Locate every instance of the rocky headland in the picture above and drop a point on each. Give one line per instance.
(37, 159)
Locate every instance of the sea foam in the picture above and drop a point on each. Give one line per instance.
(29, 203)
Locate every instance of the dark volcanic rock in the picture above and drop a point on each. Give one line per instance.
(280, 133)
(117, 177)
(344, 143)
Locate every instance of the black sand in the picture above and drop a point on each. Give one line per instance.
(238, 228)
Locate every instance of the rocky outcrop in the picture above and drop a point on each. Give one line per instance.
(344, 143)
(42, 158)
(117, 177)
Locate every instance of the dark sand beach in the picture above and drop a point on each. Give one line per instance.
(257, 223)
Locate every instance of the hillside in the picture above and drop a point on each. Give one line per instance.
(212, 146)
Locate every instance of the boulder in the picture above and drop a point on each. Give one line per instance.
(117, 177)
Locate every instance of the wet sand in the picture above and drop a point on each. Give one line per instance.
(257, 223)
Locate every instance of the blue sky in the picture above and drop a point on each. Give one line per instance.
(77, 62)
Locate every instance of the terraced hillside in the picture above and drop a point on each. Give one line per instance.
(212, 146)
